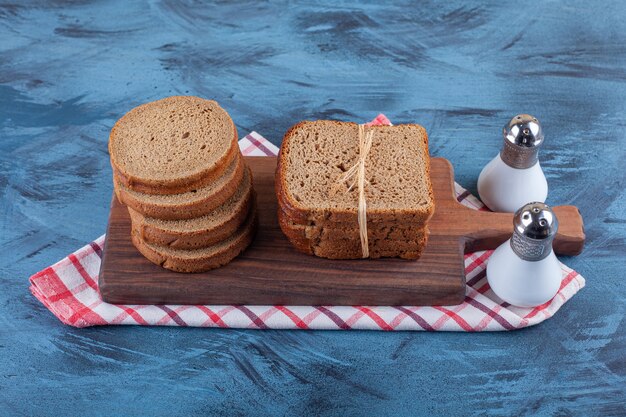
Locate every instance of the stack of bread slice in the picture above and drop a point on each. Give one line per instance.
(178, 169)
(318, 212)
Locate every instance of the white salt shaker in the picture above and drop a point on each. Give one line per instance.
(524, 270)
(514, 177)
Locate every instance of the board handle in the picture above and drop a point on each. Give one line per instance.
(486, 230)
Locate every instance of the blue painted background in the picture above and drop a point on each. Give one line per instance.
(69, 69)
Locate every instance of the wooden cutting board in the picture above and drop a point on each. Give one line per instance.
(271, 272)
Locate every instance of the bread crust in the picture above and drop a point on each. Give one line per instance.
(182, 262)
(188, 209)
(194, 239)
(335, 231)
(304, 214)
(331, 250)
(332, 247)
(174, 185)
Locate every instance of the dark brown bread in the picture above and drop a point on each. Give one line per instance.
(314, 155)
(198, 232)
(172, 145)
(337, 231)
(352, 249)
(187, 205)
(415, 220)
(345, 244)
(199, 260)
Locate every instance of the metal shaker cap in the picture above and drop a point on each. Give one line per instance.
(523, 136)
(534, 229)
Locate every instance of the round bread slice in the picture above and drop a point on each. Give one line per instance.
(172, 145)
(199, 260)
(200, 231)
(195, 203)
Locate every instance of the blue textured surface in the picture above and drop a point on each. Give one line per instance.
(68, 70)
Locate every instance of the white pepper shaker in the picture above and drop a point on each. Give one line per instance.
(524, 270)
(514, 177)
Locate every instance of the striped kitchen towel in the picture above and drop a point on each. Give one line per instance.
(69, 289)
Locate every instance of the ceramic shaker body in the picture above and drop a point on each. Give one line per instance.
(524, 270)
(504, 188)
(514, 177)
(522, 283)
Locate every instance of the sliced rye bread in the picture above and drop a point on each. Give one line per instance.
(336, 231)
(199, 260)
(343, 220)
(172, 145)
(314, 155)
(352, 249)
(195, 203)
(199, 232)
(329, 243)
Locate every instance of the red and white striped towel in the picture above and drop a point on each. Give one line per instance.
(69, 289)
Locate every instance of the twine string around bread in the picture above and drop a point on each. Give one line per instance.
(356, 174)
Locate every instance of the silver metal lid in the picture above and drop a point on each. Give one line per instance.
(523, 136)
(534, 228)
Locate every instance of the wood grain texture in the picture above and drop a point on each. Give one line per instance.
(272, 272)
(70, 69)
